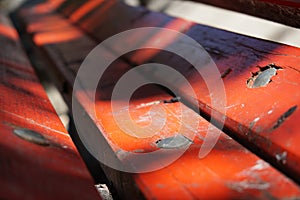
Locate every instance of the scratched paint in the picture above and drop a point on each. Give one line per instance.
(284, 116)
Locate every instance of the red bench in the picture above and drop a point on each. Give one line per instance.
(261, 161)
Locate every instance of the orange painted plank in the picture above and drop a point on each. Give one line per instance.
(254, 115)
(166, 182)
(44, 166)
(220, 175)
(222, 170)
(251, 117)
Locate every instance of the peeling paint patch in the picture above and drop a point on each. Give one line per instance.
(281, 157)
(173, 100)
(176, 142)
(104, 191)
(260, 165)
(253, 171)
(270, 112)
(148, 104)
(262, 77)
(254, 122)
(247, 184)
(31, 136)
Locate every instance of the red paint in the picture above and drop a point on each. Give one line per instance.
(219, 175)
(229, 171)
(29, 170)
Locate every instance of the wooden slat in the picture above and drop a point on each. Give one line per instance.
(229, 171)
(45, 166)
(250, 117)
(282, 11)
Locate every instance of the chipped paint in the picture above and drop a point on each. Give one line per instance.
(247, 184)
(270, 112)
(148, 104)
(281, 157)
(260, 165)
(252, 124)
(253, 171)
(176, 142)
(262, 77)
(172, 100)
(31, 136)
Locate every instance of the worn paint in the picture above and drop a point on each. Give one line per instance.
(38, 158)
(172, 100)
(225, 160)
(175, 142)
(281, 157)
(241, 186)
(262, 77)
(32, 136)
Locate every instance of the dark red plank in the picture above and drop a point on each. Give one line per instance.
(38, 157)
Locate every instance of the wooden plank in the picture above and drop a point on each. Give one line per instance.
(155, 184)
(38, 157)
(282, 11)
(251, 118)
(235, 174)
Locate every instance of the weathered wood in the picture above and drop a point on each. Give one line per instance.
(229, 171)
(250, 117)
(38, 157)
